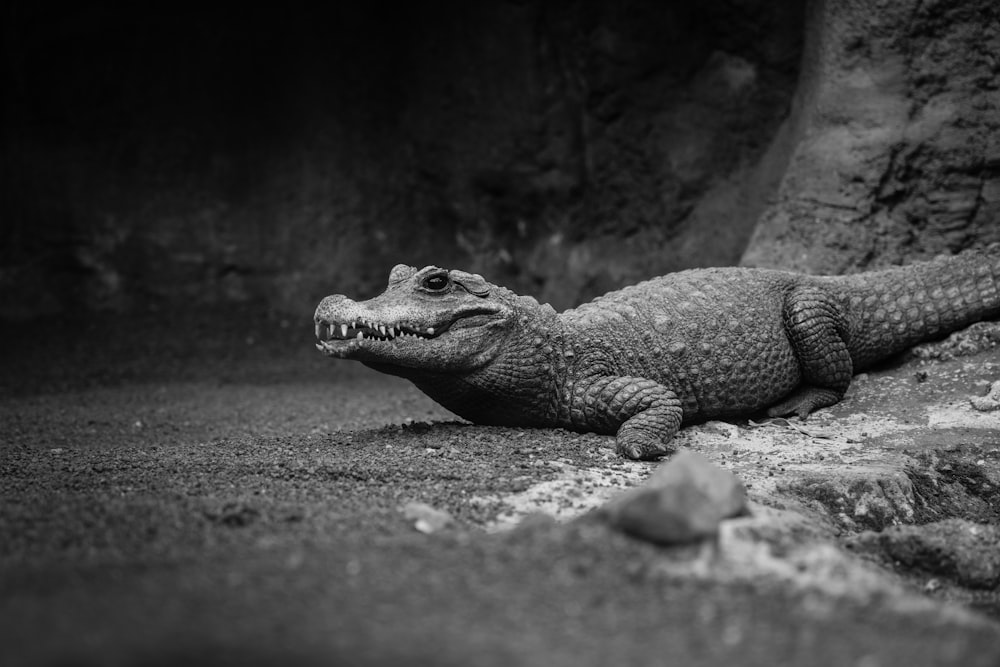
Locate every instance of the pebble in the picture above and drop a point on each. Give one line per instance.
(684, 501)
(989, 402)
(425, 518)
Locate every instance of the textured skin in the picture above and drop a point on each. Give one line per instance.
(641, 361)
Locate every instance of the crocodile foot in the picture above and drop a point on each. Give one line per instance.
(804, 400)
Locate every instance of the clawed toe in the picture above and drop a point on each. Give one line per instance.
(643, 451)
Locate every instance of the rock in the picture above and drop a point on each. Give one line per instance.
(964, 551)
(857, 497)
(536, 521)
(425, 518)
(989, 402)
(976, 338)
(683, 501)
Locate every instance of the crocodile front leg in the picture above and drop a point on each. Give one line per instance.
(644, 414)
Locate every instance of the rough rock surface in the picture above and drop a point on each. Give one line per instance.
(896, 135)
(955, 548)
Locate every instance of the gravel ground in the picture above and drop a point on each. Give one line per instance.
(175, 488)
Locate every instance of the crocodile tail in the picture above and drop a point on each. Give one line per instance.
(889, 311)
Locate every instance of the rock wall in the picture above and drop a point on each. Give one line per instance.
(628, 145)
(897, 138)
(563, 148)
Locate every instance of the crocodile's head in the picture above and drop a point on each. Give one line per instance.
(430, 319)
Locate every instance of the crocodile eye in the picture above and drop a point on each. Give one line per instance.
(435, 283)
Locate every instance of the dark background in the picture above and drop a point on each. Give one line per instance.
(181, 155)
(172, 156)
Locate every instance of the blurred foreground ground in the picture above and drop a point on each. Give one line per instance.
(207, 489)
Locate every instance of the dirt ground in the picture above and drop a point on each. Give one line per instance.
(205, 488)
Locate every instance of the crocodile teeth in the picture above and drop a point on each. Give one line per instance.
(361, 329)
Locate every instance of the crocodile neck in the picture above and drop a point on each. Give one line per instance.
(522, 385)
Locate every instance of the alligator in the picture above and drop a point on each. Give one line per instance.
(640, 362)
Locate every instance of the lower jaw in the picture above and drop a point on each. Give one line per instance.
(339, 350)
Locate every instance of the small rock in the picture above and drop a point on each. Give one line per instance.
(724, 429)
(989, 402)
(234, 515)
(536, 520)
(425, 518)
(520, 485)
(684, 501)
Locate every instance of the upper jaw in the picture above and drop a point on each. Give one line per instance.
(379, 329)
